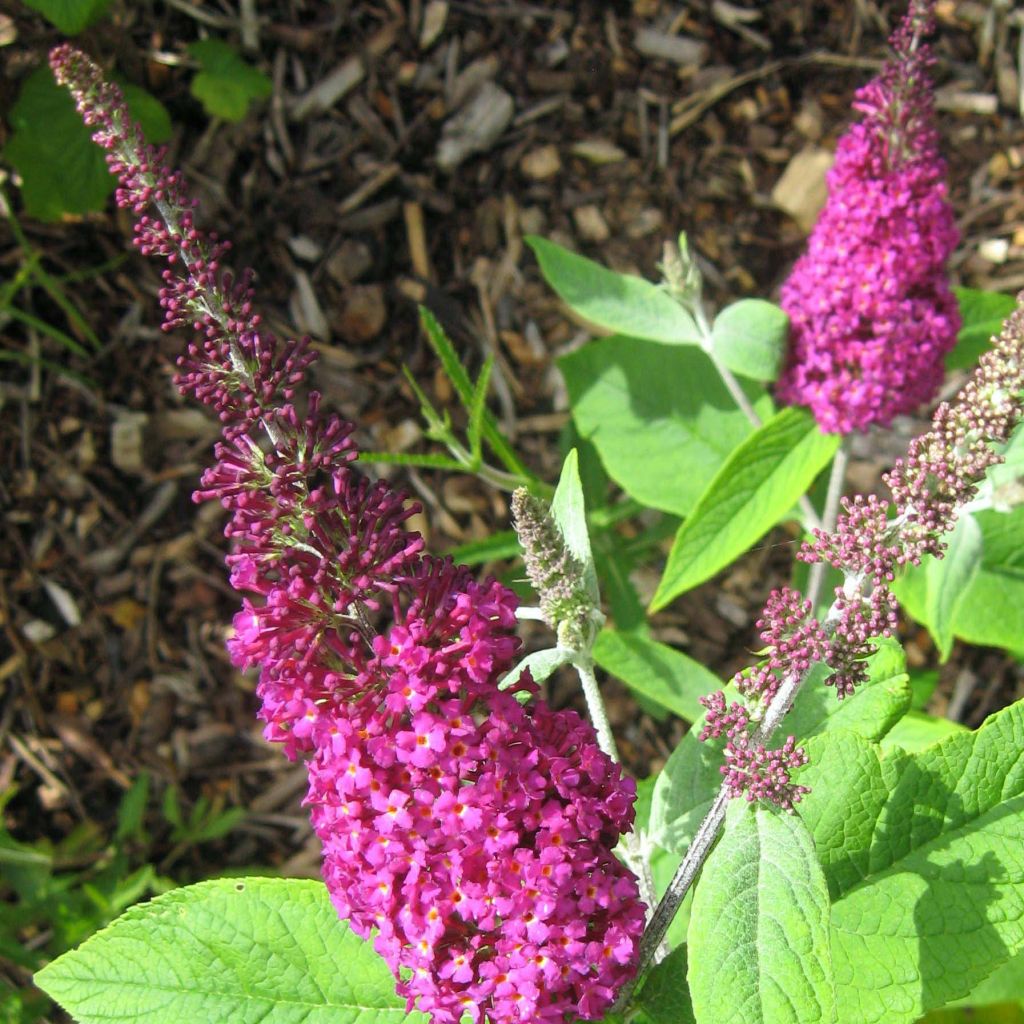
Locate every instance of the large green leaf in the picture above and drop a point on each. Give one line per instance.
(760, 481)
(686, 786)
(62, 169)
(941, 904)
(248, 951)
(659, 672)
(847, 793)
(622, 303)
(70, 16)
(759, 936)
(665, 997)
(982, 315)
(991, 609)
(949, 579)
(660, 417)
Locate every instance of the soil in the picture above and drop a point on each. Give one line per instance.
(626, 124)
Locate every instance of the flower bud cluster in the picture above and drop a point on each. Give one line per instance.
(472, 834)
(872, 314)
(556, 574)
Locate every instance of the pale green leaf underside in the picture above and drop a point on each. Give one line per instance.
(759, 938)
(942, 903)
(623, 303)
(248, 951)
(569, 512)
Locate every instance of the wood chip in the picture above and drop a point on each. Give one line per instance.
(681, 50)
(541, 164)
(370, 187)
(476, 127)
(305, 309)
(801, 190)
(416, 237)
(590, 223)
(363, 315)
(435, 14)
(598, 151)
(349, 262)
(127, 442)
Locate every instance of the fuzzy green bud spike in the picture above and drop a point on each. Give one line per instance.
(556, 574)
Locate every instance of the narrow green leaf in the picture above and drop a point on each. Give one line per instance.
(949, 579)
(659, 672)
(48, 329)
(474, 431)
(570, 515)
(249, 951)
(622, 303)
(660, 417)
(757, 485)
(982, 314)
(503, 544)
(750, 338)
(428, 460)
(132, 809)
(227, 84)
(759, 938)
(456, 372)
(942, 904)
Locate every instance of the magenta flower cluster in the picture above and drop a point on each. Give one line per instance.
(872, 314)
(469, 828)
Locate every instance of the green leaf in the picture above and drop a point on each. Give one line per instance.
(1004, 985)
(991, 610)
(665, 997)
(540, 663)
(659, 672)
(687, 785)
(132, 809)
(982, 315)
(847, 793)
(70, 16)
(570, 516)
(456, 373)
(622, 303)
(759, 938)
(918, 730)
(942, 904)
(750, 338)
(249, 951)
(428, 460)
(503, 544)
(758, 484)
(226, 85)
(661, 419)
(62, 169)
(875, 707)
(474, 431)
(949, 578)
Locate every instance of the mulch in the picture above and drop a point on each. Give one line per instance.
(405, 152)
